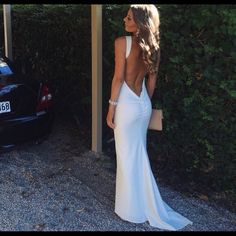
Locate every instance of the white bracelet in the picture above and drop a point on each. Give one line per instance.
(114, 103)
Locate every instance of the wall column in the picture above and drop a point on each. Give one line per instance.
(96, 27)
(7, 30)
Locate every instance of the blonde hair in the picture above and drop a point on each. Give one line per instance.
(147, 19)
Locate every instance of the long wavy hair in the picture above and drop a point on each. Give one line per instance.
(147, 19)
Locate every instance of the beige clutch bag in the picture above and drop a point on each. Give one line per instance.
(156, 120)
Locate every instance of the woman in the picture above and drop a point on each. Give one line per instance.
(136, 57)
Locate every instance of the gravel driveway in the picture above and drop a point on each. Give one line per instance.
(59, 185)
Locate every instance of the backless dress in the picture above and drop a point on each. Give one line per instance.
(137, 197)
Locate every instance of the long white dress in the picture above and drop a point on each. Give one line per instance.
(137, 196)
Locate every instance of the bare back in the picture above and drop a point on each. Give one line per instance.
(135, 69)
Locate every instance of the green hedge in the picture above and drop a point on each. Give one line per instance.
(196, 90)
(196, 86)
(53, 43)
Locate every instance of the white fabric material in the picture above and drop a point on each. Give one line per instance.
(128, 45)
(137, 196)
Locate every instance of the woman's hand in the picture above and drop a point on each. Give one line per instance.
(110, 116)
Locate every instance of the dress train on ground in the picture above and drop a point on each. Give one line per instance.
(137, 195)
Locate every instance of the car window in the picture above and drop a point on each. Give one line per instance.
(4, 68)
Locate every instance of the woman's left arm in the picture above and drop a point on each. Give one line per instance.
(118, 78)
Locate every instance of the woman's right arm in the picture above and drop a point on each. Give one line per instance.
(152, 78)
(151, 84)
(118, 78)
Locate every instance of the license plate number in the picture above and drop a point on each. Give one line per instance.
(5, 107)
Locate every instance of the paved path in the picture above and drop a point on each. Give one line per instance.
(60, 185)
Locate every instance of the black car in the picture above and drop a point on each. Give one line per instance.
(26, 107)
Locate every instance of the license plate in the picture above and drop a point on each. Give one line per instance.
(5, 107)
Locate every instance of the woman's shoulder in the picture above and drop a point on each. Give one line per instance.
(120, 40)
